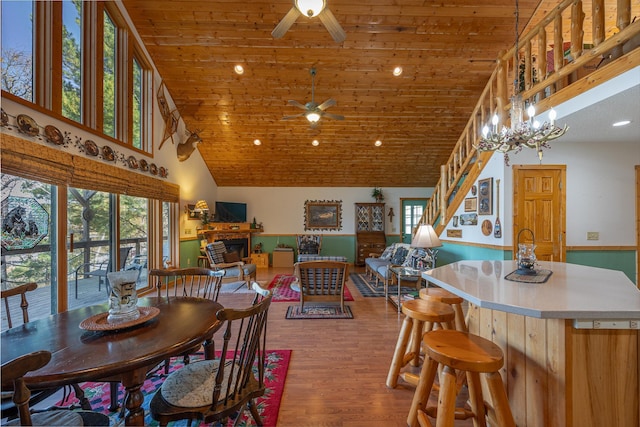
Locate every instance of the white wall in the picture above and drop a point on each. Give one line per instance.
(281, 209)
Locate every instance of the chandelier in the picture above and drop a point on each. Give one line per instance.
(522, 133)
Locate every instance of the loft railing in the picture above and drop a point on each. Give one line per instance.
(546, 76)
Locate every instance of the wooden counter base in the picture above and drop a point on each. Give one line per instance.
(556, 375)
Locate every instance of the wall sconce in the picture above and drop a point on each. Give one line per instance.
(198, 211)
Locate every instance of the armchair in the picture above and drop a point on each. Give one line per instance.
(309, 246)
(100, 269)
(234, 268)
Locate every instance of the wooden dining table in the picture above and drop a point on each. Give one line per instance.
(123, 355)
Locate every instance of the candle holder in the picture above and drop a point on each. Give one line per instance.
(526, 254)
(123, 298)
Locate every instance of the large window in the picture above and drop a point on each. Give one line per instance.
(72, 59)
(109, 76)
(90, 72)
(17, 48)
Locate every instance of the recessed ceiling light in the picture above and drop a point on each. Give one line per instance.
(622, 123)
(315, 143)
(378, 143)
(257, 142)
(397, 71)
(239, 69)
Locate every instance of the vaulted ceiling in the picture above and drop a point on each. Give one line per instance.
(446, 49)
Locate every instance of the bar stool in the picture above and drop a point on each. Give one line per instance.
(444, 296)
(420, 316)
(466, 352)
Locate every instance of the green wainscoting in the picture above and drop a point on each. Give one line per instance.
(344, 245)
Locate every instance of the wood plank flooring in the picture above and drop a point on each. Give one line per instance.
(338, 368)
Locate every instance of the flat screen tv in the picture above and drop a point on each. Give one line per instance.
(231, 212)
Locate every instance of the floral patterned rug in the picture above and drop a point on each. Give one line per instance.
(282, 292)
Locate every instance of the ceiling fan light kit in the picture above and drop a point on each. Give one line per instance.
(313, 112)
(310, 9)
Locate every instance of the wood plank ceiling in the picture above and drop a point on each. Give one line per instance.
(446, 49)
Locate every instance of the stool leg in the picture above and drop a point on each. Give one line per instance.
(460, 323)
(446, 414)
(416, 341)
(398, 354)
(423, 390)
(502, 410)
(476, 399)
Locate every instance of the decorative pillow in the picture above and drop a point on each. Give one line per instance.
(415, 258)
(388, 251)
(231, 257)
(308, 247)
(399, 255)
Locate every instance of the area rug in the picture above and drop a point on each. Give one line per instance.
(268, 405)
(368, 287)
(319, 312)
(282, 292)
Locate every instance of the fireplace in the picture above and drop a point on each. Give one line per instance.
(237, 245)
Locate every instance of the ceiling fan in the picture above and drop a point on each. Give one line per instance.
(310, 8)
(313, 111)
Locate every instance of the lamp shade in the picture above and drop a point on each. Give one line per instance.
(201, 206)
(425, 237)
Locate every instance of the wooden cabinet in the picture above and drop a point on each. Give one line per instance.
(261, 260)
(370, 237)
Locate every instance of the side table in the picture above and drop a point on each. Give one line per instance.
(400, 273)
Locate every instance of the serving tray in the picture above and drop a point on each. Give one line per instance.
(99, 322)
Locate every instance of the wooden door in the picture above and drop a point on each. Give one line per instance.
(539, 205)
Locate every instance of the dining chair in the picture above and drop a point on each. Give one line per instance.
(10, 298)
(210, 390)
(321, 281)
(12, 374)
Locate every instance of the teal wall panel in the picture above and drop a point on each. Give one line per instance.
(343, 245)
(624, 261)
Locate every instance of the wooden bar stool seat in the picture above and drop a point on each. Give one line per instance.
(446, 297)
(467, 352)
(420, 316)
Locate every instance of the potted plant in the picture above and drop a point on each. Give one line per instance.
(376, 193)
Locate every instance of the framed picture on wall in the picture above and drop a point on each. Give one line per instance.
(485, 194)
(323, 215)
(471, 204)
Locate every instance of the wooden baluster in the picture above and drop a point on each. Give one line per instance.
(577, 29)
(558, 54)
(542, 57)
(598, 21)
(624, 14)
(528, 81)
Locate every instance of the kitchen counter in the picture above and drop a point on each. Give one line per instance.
(571, 292)
(571, 345)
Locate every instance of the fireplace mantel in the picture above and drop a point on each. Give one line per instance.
(230, 231)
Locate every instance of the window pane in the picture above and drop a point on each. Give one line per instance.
(134, 223)
(27, 245)
(88, 221)
(17, 48)
(109, 83)
(137, 104)
(166, 234)
(71, 59)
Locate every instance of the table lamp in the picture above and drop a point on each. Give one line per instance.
(427, 239)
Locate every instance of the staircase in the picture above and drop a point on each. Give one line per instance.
(550, 77)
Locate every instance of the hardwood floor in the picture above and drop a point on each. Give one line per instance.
(338, 367)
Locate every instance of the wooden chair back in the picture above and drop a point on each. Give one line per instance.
(309, 243)
(24, 303)
(193, 282)
(12, 374)
(237, 383)
(321, 281)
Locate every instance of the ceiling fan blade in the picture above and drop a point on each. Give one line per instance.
(326, 104)
(332, 25)
(333, 116)
(286, 23)
(295, 116)
(296, 104)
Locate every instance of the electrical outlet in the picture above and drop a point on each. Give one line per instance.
(593, 235)
(187, 231)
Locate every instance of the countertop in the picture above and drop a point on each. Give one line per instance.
(571, 292)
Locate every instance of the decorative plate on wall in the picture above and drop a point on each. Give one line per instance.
(27, 125)
(91, 148)
(108, 154)
(53, 135)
